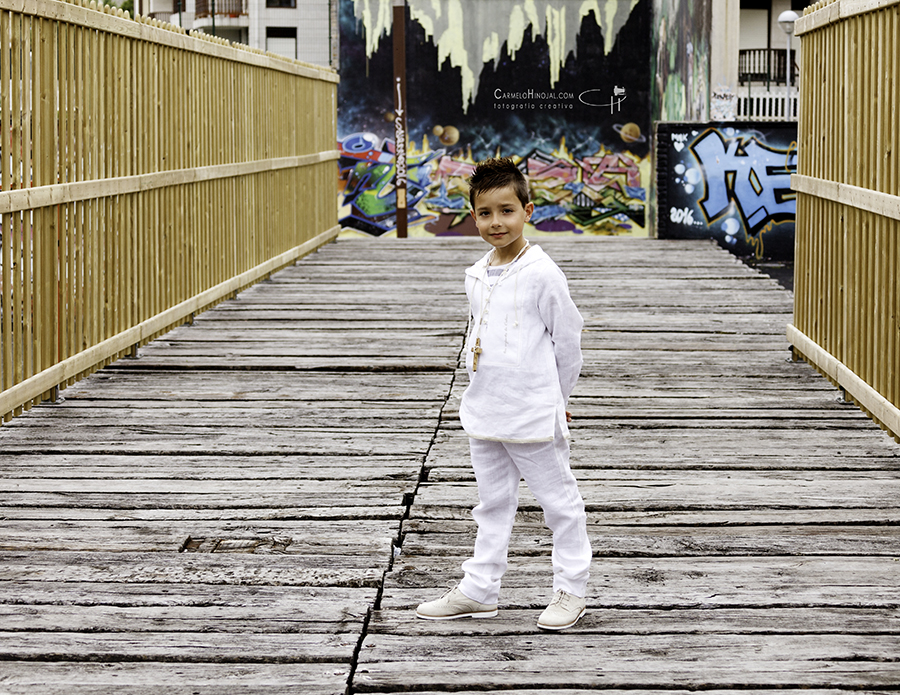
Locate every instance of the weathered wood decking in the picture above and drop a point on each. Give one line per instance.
(256, 504)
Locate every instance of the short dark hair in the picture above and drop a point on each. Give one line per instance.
(498, 172)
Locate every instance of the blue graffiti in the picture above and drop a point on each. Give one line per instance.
(547, 212)
(443, 201)
(752, 175)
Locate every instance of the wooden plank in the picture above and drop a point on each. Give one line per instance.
(629, 621)
(295, 467)
(173, 609)
(679, 517)
(665, 661)
(671, 582)
(182, 646)
(121, 382)
(231, 441)
(377, 416)
(293, 537)
(866, 199)
(214, 569)
(366, 502)
(600, 690)
(109, 678)
(740, 492)
(457, 538)
(376, 504)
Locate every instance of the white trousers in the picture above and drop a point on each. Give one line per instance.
(499, 466)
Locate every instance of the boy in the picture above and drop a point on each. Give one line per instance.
(523, 356)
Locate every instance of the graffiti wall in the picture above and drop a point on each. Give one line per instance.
(680, 67)
(562, 86)
(730, 182)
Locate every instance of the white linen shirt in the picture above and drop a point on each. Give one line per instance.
(530, 334)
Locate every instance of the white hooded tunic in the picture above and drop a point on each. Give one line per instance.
(530, 332)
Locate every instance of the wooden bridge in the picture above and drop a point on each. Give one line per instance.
(256, 502)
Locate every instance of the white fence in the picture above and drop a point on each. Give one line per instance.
(768, 106)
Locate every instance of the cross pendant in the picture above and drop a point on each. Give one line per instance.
(477, 350)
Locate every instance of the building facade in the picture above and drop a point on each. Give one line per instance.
(301, 29)
(768, 59)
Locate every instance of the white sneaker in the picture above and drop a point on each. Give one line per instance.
(455, 604)
(564, 611)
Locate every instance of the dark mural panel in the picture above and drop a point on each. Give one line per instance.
(681, 59)
(730, 182)
(562, 86)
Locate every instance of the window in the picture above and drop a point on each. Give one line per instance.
(281, 3)
(282, 40)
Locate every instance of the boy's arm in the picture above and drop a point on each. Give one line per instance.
(564, 323)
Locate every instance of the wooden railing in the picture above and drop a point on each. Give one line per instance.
(847, 293)
(145, 174)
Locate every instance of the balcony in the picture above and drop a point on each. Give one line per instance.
(766, 66)
(221, 8)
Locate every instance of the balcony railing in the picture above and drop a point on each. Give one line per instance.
(229, 8)
(765, 65)
(767, 106)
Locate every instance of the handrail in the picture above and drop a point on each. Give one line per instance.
(847, 262)
(115, 227)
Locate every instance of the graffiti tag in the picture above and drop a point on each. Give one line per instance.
(753, 176)
(682, 216)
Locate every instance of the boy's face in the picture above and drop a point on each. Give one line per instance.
(501, 219)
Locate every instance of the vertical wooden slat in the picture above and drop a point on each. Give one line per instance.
(149, 230)
(49, 151)
(79, 154)
(892, 257)
(17, 115)
(7, 306)
(141, 284)
(107, 114)
(895, 100)
(92, 171)
(27, 256)
(37, 232)
(122, 298)
(69, 117)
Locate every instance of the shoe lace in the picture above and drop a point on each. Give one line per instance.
(560, 598)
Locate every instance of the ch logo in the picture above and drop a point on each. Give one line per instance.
(597, 97)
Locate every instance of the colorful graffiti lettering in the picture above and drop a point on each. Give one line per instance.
(599, 194)
(366, 173)
(757, 178)
(731, 183)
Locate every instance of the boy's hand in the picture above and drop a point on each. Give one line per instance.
(568, 416)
